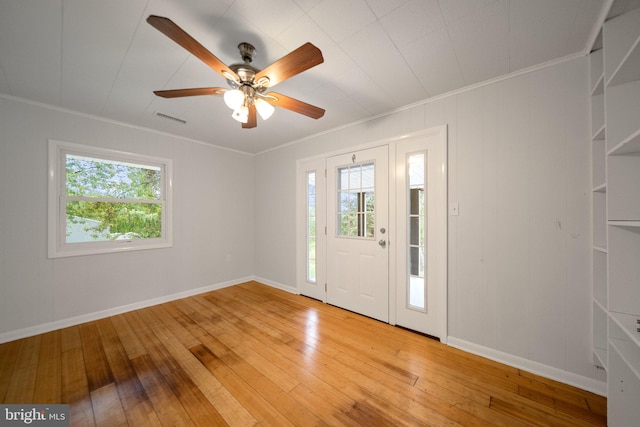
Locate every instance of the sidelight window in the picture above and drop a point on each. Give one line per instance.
(311, 227)
(416, 170)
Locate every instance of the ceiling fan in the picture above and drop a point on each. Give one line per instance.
(248, 84)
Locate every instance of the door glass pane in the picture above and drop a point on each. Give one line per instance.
(311, 227)
(356, 201)
(416, 173)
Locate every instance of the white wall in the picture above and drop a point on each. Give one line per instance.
(213, 219)
(519, 260)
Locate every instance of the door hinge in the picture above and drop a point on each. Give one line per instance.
(325, 287)
(325, 230)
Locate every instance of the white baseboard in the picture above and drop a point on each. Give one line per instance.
(566, 377)
(276, 285)
(77, 320)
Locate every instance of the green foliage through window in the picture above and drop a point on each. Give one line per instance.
(356, 200)
(111, 200)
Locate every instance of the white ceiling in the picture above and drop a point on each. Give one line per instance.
(102, 58)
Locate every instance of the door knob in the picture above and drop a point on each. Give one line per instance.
(382, 243)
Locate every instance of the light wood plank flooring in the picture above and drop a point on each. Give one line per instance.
(253, 355)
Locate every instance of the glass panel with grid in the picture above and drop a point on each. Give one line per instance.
(356, 201)
(417, 220)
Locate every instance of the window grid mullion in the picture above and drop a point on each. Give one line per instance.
(109, 200)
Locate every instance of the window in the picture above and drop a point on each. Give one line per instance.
(416, 173)
(311, 227)
(356, 200)
(106, 201)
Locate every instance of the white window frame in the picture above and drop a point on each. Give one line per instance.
(57, 245)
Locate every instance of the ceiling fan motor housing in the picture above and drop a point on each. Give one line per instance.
(246, 51)
(246, 71)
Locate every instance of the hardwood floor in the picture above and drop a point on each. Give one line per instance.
(253, 355)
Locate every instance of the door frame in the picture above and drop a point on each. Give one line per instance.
(312, 163)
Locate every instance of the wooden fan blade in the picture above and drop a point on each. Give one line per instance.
(179, 93)
(252, 122)
(170, 29)
(278, 100)
(301, 59)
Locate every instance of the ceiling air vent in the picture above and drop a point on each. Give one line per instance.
(168, 117)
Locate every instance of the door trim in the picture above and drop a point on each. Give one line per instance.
(301, 221)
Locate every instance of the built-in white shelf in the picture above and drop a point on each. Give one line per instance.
(628, 351)
(628, 328)
(597, 116)
(622, 111)
(621, 36)
(623, 253)
(630, 145)
(599, 134)
(629, 69)
(599, 88)
(623, 187)
(623, 49)
(601, 356)
(623, 388)
(624, 223)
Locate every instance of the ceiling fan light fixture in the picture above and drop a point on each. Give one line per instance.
(264, 108)
(241, 114)
(248, 84)
(234, 98)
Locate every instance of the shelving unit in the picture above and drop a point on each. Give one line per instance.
(616, 214)
(599, 210)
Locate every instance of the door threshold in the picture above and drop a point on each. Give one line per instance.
(419, 333)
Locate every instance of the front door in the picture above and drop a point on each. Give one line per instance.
(357, 232)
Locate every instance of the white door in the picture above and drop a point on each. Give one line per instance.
(357, 232)
(421, 249)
